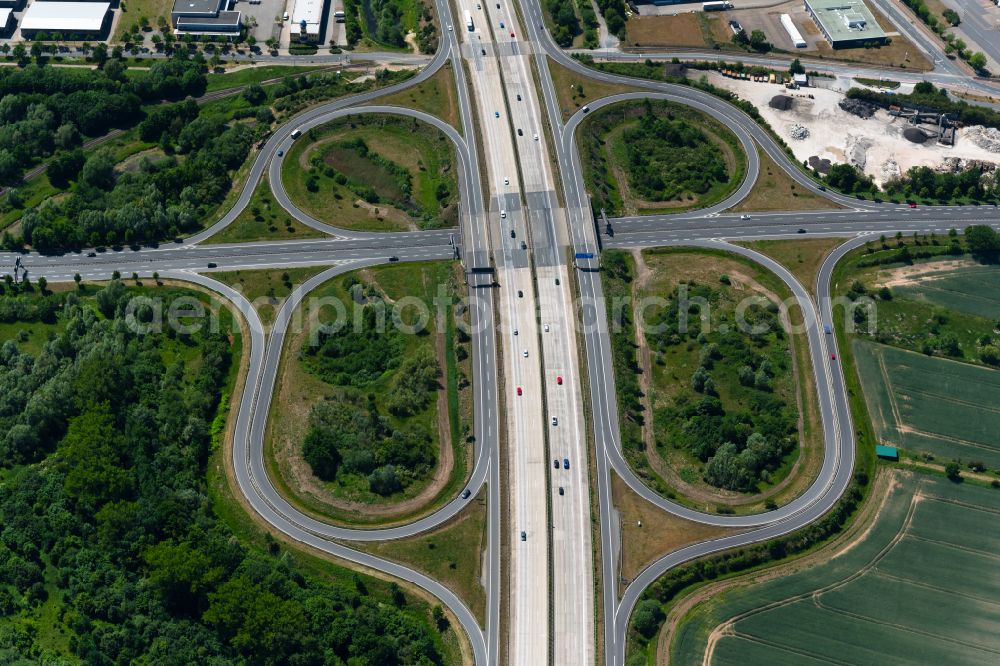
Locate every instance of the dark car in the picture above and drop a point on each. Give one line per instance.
(555, 463)
(466, 493)
(518, 98)
(565, 463)
(520, 294)
(561, 490)
(91, 254)
(519, 132)
(524, 536)
(393, 258)
(802, 231)
(211, 264)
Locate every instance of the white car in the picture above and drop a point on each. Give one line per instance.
(546, 328)
(506, 181)
(536, 136)
(555, 421)
(284, 17)
(525, 353)
(449, 28)
(744, 217)
(503, 215)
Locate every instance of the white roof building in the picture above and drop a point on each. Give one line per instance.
(306, 17)
(66, 17)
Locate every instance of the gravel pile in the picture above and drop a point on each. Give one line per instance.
(857, 107)
(797, 131)
(889, 170)
(987, 138)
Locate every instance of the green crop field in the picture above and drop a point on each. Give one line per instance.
(972, 290)
(933, 405)
(920, 587)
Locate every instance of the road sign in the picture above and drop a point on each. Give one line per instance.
(584, 255)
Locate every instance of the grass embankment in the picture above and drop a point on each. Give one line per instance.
(424, 440)
(648, 532)
(256, 74)
(574, 90)
(775, 190)
(374, 174)
(435, 96)
(680, 377)
(873, 600)
(264, 219)
(802, 257)
(654, 157)
(267, 289)
(451, 554)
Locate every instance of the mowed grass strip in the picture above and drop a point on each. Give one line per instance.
(931, 405)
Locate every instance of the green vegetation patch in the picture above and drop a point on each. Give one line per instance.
(972, 290)
(264, 219)
(655, 156)
(387, 23)
(881, 599)
(105, 437)
(931, 405)
(375, 174)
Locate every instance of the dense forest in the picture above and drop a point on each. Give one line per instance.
(669, 157)
(366, 431)
(111, 551)
(731, 418)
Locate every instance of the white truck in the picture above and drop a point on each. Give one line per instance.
(719, 6)
(468, 21)
(339, 16)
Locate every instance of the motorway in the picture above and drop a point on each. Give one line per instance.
(517, 219)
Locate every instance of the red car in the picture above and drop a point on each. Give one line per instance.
(912, 205)
(519, 390)
(833, 357)
(559, 380)
(512, 35)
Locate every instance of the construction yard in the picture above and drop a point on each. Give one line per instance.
(816, 125)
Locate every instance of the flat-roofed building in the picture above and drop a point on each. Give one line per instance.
(846, 23)
(307, 20)
(7, 21)
(206, 17)
(69, 19)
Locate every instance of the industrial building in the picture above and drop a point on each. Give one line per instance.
(69, 19)
(846, 23)
(307, 20)
(206, 17)
(7, 22)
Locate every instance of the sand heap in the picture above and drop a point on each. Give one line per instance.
(856, 150)
(889, 170)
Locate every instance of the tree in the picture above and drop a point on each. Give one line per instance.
(796, 67)
(953, 472)
(77, 278)
(43, 284)
(254, 93)
(758, 40)
(20, 53)
(978, 61)
(647, 618)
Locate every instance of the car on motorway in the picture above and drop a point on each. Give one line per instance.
(524, 246)
(296, 133)
(91, 254)
(559, 380)
(565, 463)
(913, 205)
(284, 17)
(536, 136)
(524, 535)
(512, 35)
(519, 132)
(557, 282)
(466, 493)
(744, 217)
(450, 28)
(586, 109)
(518, 98)
(503, 215)
(555, 463)
(822, 188)
(211, 264)
(555, 421)
(546, 328)
(513, 234)
(525, 353)
(519, 390)
(833, 357)
(520, 294)
(393, 258)
(496, 114)
(826, 329)
(501, 22)
(561, 490)
(506, 181)
(515, 331)
(280, 152)
(801, 230)
(483, 50)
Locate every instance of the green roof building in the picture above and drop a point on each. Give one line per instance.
(887, 452)
(846, 23)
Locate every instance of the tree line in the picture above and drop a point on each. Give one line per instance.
(109, 525)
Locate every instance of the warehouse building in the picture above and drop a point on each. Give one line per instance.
(846, 23)
(206, 17)
(70, 20)
(7, 21)
(307, 20)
